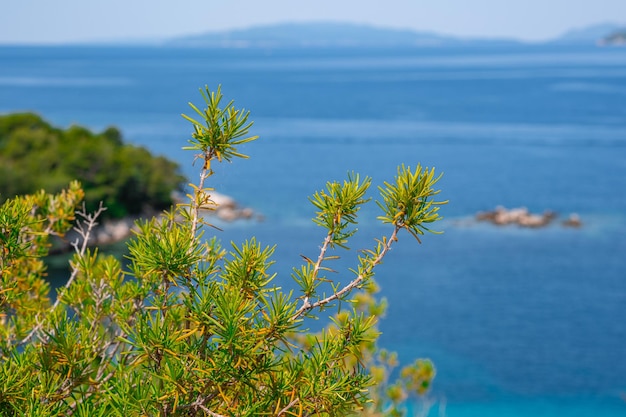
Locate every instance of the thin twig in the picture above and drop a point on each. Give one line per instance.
(354, 283)
(318, 264)
(88, 220)
(287, 407)
(195, 206)
(199, 404)
(322, 255)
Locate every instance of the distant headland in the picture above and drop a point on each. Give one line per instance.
(341, 34)
(617, 38)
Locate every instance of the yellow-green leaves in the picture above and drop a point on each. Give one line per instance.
(408, 202)
(247, 269)
(220, 130)
(26, 225)
(389, 397)
(338, 206)
(165, 249)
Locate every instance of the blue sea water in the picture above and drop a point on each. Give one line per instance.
(518, 322)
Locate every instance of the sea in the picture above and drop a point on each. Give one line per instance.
(518, 322)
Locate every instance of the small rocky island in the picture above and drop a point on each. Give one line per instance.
(521, 216)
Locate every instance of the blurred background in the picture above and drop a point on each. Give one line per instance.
(520, 105)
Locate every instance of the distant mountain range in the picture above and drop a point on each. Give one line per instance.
(330, 34)
(323, 34)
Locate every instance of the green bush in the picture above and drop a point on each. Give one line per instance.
(193, 328)
(127, 179)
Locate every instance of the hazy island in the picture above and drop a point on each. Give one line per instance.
(324, 34)
(348, 35)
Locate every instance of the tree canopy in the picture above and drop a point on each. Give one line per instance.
(34, 155)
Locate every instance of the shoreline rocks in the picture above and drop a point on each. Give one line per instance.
(520, 216)
(112, 231)
(228, 210)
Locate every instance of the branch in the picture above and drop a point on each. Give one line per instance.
(209, 412)
(287, 407)
(354, 283)
(322, 255)
(199, 404)
(195, 204)
(83, 228)
(320, 258)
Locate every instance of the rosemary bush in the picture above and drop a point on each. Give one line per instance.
(192, 328)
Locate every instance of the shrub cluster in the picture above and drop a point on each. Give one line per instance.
(193, 328)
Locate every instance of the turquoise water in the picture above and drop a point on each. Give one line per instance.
(518, 322)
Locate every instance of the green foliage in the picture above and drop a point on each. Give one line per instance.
(408, 203)
(388, 397)
(127, 179)
(222, 128)
(26, 223)
(193, 328)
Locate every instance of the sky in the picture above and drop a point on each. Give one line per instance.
(61, 21)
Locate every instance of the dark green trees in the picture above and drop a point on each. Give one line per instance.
(35, 155)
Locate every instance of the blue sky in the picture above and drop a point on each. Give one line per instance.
(58, 21)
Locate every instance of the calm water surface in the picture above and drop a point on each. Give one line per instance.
(518, 322)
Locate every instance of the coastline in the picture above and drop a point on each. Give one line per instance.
(112, 231)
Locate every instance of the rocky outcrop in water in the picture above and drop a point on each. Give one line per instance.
(522, 217)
